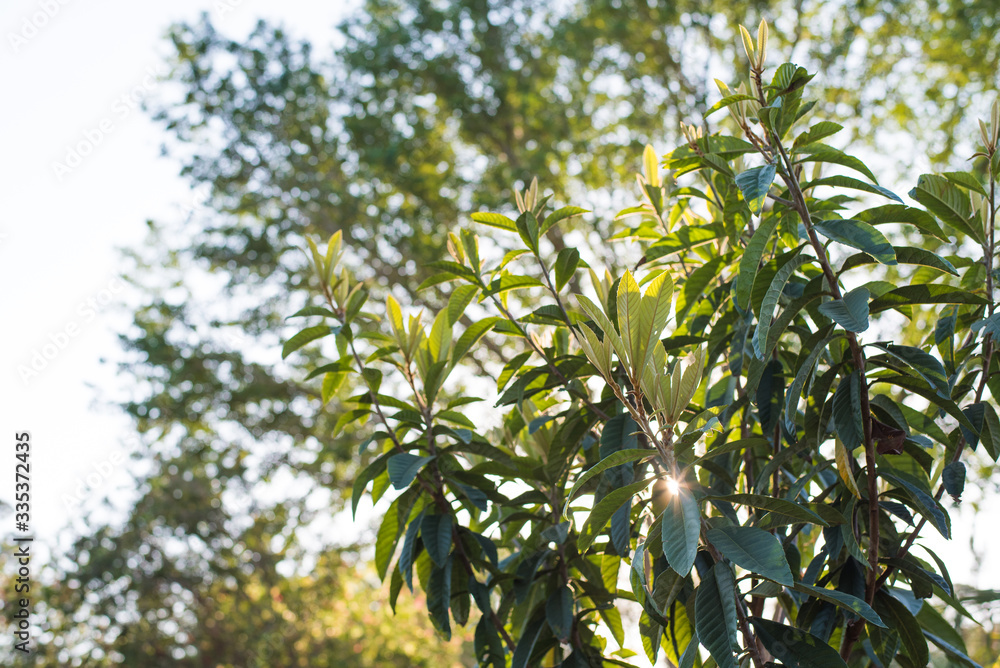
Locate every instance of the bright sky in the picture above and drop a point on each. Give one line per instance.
(71, 80)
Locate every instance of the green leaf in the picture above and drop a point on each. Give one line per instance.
(369, 473)
(932, 293)
(905, 255)
(495, 220)
(602, 512)
(852, 183)
(681, 526)
(305, 336)
(843, 600)
(900, 213)
(967, 181)
(629, 300)
(566, 264)
(857, 234)
(750, 262)
(825, 153)
(819, 131)
(925, 364)
(772, 504)
(924, 503)
(990, 437)
(313, 310)
(946, 201)
(901, 620)
(795, 648)
(847, 414)
(654, 310)
(505, 283)
(526, 644)
(686, 238)
(559, 612)
(728, 101)
(612, 460)
(754, 184)
(560, 215)
(770, 301)
(471, 336)
(851, 312)
(439, 598)
(715, 614)
(527, 227)
(407, 553)
(403, 468)
(436, 531)
(755, 550)
(794, 391)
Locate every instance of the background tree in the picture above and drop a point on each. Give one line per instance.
(424, 112)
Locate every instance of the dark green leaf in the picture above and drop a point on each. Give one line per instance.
(954, 480)
(614, 459)
(754, 184)
(843, 600)
(857, 234)
(753, 549)
(681, 525)
(769, 503)
(436, 531)
(403, 468)
(852, 183)
(602, 512)
(715, 614)
(566, 264)
(750, 262)
(795, 648)
(901, 620)
(925, 364)
(495, 220)
(559, 612)
(847, 415)
(851, 312)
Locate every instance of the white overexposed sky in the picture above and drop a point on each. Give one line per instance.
(71, 72)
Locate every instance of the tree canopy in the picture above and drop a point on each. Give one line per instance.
(423, 113)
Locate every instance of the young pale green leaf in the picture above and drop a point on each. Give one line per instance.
(715, 614)
(847, 414)
(403, 468)
(844, 468)
(857, 234)
(509, 282)
(495, 220)
(728, 101)
(629, 320)
(654, 310)
(750, 262)
(754, 184)
(795, 648)
(681, 525)
(559, 215)
(470, 336)
(684, 239)
(851, 312)
(753, 549)
(595, 313)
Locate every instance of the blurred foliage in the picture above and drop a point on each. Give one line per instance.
(422, 112)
